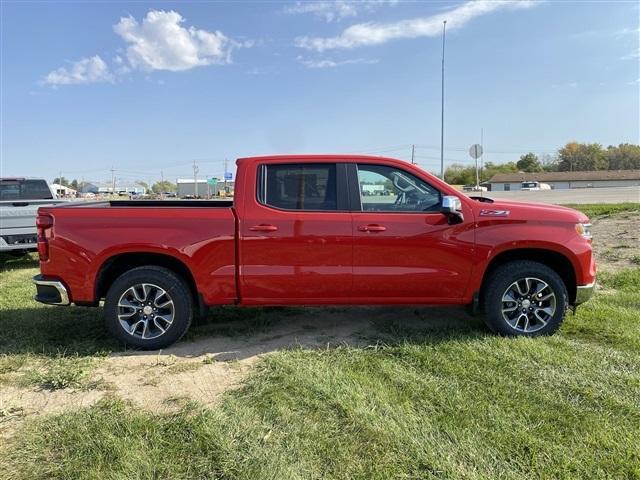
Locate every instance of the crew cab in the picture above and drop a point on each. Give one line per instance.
(302, 231)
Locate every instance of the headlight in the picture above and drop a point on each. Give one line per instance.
(584, 229)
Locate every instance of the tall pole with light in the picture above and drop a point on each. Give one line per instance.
(444, 31)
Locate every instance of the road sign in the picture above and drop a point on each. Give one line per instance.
(212, 181)
(475, 151)
(228, 176)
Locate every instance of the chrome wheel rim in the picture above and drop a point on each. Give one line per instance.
(145, 311)
(528, 304)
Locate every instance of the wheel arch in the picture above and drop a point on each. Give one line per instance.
(558, 262)
(118, 264)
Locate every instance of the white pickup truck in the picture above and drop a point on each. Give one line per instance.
(20, 199)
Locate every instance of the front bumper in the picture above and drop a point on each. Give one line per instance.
(51, 292)
(584, 292)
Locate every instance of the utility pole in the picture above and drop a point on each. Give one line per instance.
(195, 179)
(225, 177)
(113, 181)
(161, 185)
(481, 156)
(413, 154)
(444, 31)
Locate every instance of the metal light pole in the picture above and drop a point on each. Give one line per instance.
(444, 31)
(195, 180)
(481, 156)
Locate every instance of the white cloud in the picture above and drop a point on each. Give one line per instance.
(329, 63)
(160, 42)
(86, 70)
(331, 10)
(364, 34)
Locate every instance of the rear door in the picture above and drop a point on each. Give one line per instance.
(296, 235)
(405, 250)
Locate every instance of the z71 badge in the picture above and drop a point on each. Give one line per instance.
(494, 213)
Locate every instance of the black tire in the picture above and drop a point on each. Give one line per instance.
(176, 290)
(496, 288)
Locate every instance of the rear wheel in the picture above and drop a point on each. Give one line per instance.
(525, 298)
(149, 307)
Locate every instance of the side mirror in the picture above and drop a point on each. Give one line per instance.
(452, 208)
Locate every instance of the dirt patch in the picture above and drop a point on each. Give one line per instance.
(216, 361)
(616, 241)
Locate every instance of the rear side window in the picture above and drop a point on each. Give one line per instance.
(24, 190)
(305, 186)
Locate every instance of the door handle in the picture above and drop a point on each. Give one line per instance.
(263, 228)
(372, 228)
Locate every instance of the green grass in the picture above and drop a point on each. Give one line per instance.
(41, 346)
(434, 402)
(597, 209)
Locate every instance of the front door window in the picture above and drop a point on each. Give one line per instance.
(389, 189)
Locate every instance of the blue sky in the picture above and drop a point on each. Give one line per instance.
(147, 87)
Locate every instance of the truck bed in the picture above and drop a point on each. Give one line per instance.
(18, 223)
(199, 234)
(157, 204)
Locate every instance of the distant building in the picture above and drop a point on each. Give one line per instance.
(186, 188)
(562, 180)
(107, 188)
(62, 191)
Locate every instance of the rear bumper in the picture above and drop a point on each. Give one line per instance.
(584, 292)
(51, 292)
(18, 242)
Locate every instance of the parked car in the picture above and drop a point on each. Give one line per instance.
(19, 202)
(474, 188)
(300, 231)
(533, 186)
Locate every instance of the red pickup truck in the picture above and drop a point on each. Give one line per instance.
(316, 230)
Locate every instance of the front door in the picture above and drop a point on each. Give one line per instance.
(296, 236)
(405, 250)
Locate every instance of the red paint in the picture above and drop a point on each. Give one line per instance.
(252, 254)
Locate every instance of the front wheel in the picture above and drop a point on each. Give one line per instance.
(148, 307)
(525, 298)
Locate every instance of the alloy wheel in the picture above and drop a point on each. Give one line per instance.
(528, 304)
(145, 311)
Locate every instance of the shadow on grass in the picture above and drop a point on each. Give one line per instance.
(230, 333)
(11, 262)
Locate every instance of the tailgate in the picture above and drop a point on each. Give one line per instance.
(18, 222)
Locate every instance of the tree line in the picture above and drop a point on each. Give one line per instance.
(573, 156)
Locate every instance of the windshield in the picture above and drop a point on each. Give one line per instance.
(24, 190)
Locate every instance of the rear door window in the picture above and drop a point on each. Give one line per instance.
(304, 186)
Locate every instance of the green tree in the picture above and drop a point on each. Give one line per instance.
(490, 169)
(529, 162)
(61, 181)
(164, 186)
(74, 184)
(576, 156)
(458, 174)
(625, 156)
